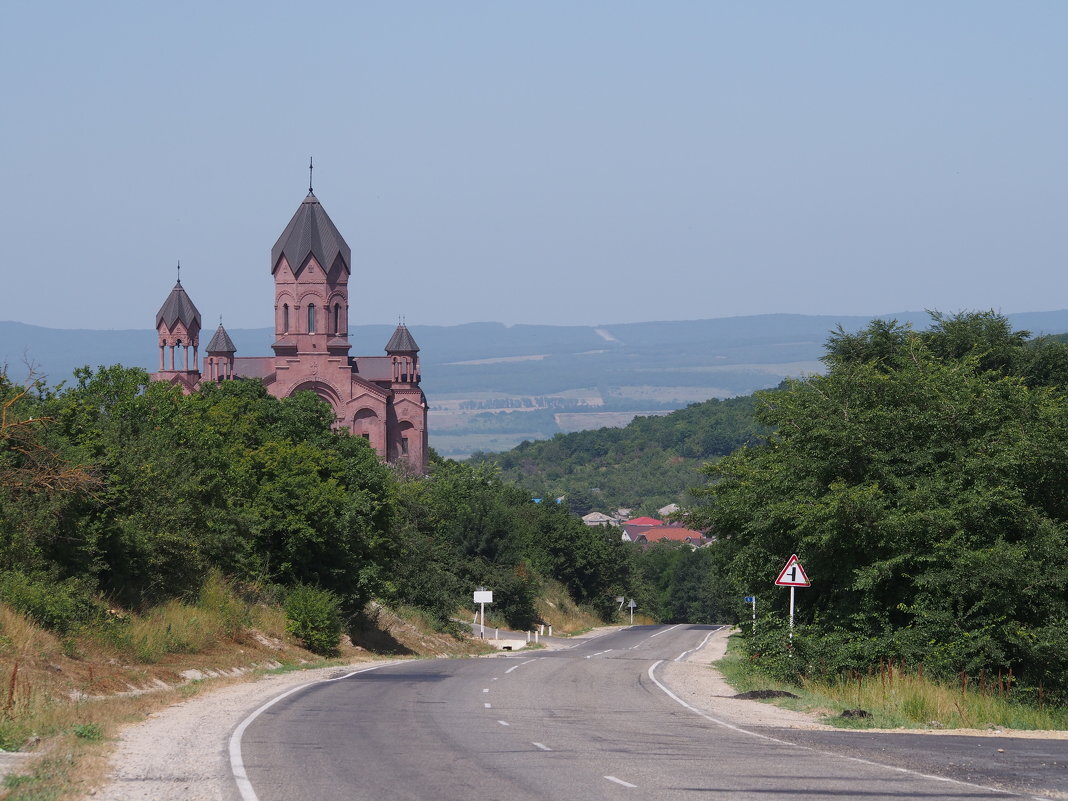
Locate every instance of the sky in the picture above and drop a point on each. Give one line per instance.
(552, 162)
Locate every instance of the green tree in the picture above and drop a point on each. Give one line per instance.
(918, 486)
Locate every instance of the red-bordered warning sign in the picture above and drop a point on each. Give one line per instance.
(793, 575)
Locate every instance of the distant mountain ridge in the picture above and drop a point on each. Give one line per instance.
(599, 369)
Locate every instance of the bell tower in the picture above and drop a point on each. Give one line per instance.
(311, 264)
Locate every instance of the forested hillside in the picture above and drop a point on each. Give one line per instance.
(923, 481)
(117, 491)
(651, 462)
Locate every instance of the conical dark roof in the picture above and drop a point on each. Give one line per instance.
(310, 231)
(221, 342)
(402, 341)
(178, 307)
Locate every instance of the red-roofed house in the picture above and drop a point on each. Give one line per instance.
(638, 525)
(672, 534)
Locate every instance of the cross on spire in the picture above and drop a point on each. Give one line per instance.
(311, 166)
(179, 271)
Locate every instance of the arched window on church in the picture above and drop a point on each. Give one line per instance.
(285, 318)
(311, 318)
(337, 319)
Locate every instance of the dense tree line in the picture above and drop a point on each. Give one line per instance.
(649, 463)
(924, 483)
(123, 489)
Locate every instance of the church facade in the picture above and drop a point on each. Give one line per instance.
(376, 397)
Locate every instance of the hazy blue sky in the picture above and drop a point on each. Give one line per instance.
(569, 162)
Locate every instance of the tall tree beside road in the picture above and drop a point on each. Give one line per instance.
(924, 483)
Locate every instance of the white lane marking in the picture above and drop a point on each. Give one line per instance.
(740, 730)
(684, 654)
(620, 781)
(520, 665)
(237, 765)
(488, 706)
(485, 689)
(662, 631)
(504, 722)
(542, 746)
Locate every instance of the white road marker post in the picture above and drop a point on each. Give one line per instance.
(751, 599)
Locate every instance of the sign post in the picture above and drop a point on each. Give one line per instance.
(792, 576)
(483, 597)
(632, 604)
(751, 599)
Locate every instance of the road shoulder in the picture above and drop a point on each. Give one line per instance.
(698, 683)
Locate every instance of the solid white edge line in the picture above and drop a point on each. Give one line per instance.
(739, 729)
(620, 781)
(237, 765)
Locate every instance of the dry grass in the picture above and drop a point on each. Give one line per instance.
(916, 699)
(896, 699)
(555, 607)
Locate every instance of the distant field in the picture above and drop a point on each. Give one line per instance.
(580, 421)
(460, 446)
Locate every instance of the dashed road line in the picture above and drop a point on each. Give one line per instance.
(542, 746)
(504, 722)
(662, 631)
(488, 706)
(620, 781)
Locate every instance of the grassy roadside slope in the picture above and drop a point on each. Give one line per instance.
(895, 699)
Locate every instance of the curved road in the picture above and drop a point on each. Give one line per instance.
(588, 722)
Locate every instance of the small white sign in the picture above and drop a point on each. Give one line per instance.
(483, 596)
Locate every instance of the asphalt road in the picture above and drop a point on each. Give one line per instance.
(592, 722)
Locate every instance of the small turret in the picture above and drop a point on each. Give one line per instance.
(404, 353)
(178, 326)
(219, 363)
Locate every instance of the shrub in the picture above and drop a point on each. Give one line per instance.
(60, 606)
(314, 617)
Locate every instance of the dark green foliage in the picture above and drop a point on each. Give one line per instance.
(924, 484)
(172, 489)
(684, 585)
(651, 462)
(61, 606)
(229, 478)
(313, 616)
(465, 528)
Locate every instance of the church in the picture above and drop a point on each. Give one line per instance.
(375, 397)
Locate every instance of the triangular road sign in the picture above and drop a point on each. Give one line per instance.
(793, 575)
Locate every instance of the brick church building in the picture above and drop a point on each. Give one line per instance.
(376, 397)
